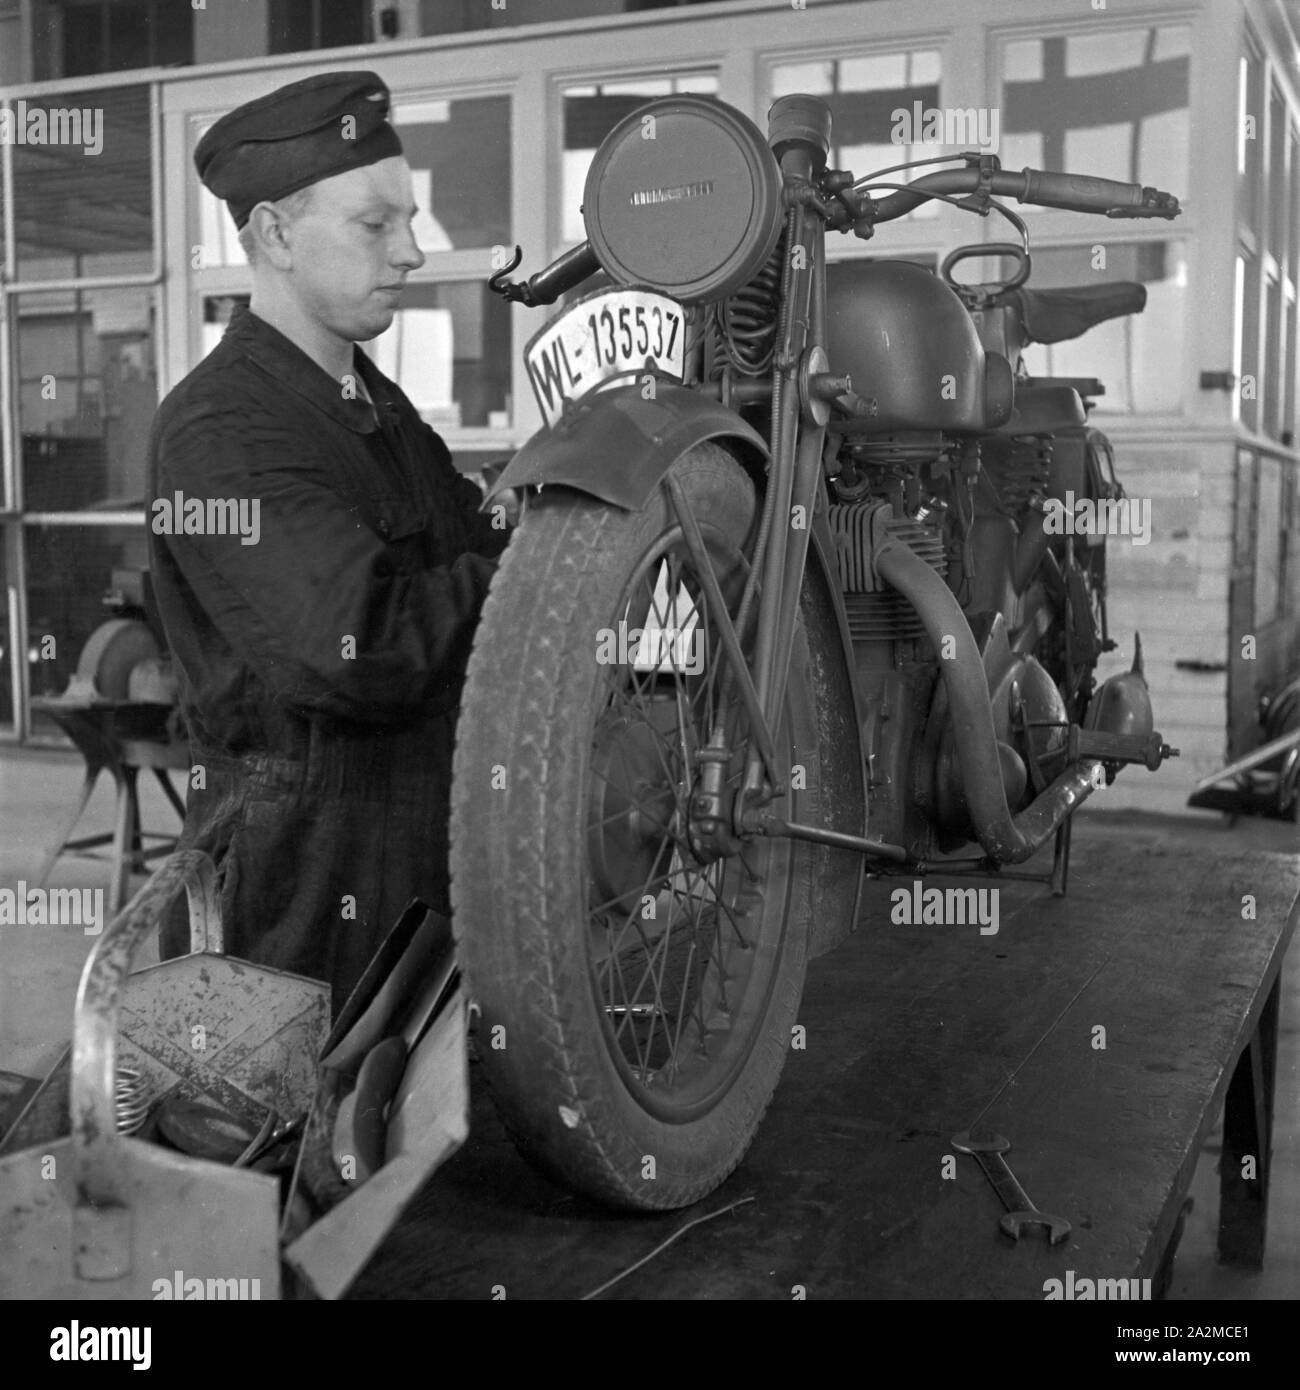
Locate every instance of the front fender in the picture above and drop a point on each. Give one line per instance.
(616, 445)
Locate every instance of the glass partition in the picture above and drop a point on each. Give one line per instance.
(86, 392)
(1109, 102)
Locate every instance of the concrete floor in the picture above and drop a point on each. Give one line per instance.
(40, 966)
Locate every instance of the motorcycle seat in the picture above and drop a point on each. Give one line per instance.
(1044, 410)
(1052, 316)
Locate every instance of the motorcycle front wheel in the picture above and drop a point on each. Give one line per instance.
(637, 987)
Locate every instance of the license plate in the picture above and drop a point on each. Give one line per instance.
(608, 334)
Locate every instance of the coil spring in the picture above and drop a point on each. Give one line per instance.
(131, 1100)
(745, 324)
(1022, 476)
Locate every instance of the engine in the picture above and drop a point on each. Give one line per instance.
(963, 504)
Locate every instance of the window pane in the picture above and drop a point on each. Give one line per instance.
(1112, 104)
(217, 311)
(83, 40)
(6, 648)
(1291, 212)
(459, 153)
(1268, 540)
(813, 79)
(449, 351)
(1250, 142)
(288, 26)
(173, 34)
(1246, 312)
(128, 36)
(87, 391)
(342, 22)
(1271, 376)
(82, 183)
(1277, 185)
(1287, 423)
(69, 572)
(591, 111)
(867, 96)
(1137, 358)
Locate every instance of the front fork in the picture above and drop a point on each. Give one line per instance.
(797, 433)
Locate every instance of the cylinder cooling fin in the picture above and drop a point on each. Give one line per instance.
(685, 197)
(875, 611)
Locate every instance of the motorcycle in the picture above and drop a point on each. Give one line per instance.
(797, 597)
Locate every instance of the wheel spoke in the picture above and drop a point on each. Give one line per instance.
(670, 989)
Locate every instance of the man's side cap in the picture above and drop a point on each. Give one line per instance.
(296, 136)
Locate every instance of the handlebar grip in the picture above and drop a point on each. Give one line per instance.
(1083, 193)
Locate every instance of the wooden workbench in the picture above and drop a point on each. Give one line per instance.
(911, 1033)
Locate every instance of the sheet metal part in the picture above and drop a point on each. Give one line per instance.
(121, 1212)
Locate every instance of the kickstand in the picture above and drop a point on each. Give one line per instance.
(1061, 858)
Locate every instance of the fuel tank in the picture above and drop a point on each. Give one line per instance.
(907, 341)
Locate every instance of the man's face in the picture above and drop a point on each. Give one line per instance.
(352, 249)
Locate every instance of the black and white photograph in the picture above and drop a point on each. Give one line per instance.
(650, 652)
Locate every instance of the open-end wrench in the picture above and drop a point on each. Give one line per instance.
(1021, 1212)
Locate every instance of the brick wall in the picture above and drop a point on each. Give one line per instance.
(1174, 591)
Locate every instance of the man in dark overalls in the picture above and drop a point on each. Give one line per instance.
(321, 650)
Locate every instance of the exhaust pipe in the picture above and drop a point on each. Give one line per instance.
(1006, 838)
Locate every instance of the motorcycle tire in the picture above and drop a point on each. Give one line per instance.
(569, 813)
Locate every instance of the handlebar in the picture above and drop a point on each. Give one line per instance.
(550, 283)
(1043, 187)
(1046, 188)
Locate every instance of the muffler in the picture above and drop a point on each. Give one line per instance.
(1005, 838)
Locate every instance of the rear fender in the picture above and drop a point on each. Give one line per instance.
(616, 445)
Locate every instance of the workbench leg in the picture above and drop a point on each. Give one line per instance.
(1247, 1135)
(170, 792)
(65, 834)
(1061, 857)
(138, 864)
(126, 840)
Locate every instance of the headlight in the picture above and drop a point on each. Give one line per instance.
(684, 197)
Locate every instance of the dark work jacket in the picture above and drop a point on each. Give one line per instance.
(320, 668)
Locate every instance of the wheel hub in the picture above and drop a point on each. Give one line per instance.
(633, 814)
